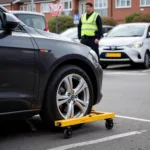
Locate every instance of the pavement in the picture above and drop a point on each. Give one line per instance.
(126, 91)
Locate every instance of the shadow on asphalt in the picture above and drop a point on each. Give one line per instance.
(17, 127)
(123, 68)
(20, 128)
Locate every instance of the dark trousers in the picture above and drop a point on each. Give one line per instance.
(90, 42)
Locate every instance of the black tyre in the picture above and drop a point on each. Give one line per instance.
(146, 61)
(69, 95)
(109, 124)
(68, 133)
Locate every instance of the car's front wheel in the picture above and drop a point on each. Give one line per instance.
(146, 61)
(69, 95)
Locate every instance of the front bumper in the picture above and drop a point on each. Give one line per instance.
(99, 79)
(98, 72)
(128, 55)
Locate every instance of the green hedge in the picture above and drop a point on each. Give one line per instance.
(64, 22)
(129, 18)
(109, 21)
(142, 18)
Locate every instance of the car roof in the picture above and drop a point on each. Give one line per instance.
(26, 12)
(108, 26)
(137, 23)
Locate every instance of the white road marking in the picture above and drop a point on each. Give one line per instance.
(69, 146)
(132, 118)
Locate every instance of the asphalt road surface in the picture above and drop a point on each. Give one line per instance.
(126, 91)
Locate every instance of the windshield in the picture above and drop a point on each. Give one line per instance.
(33, 21)
(71, 33)
(127, 31)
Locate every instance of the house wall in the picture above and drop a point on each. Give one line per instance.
(119, 14)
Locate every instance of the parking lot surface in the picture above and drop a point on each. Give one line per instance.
(126, 92)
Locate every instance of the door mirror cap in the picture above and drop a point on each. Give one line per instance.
(10, 22)
(105, 34)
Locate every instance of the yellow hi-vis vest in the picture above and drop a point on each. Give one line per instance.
(89, 26)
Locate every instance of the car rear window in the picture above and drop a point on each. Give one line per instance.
(34, 21)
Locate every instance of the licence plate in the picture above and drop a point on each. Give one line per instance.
(113, 54)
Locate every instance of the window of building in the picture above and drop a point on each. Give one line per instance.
(101, 7)
(29, 7)
(144, 2)
(123, 3)
(23, 7)
(44, 7)
(67, 7)
(67, 4)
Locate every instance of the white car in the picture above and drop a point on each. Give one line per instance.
(32, 19)
(72, 33)
(126, 43)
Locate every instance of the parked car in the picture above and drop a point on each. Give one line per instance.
(42, 73)
(72, 33)
(32, 19)
(126, 43)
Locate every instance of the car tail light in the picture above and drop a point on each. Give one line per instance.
(46, 28)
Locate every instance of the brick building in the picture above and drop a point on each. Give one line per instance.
(117, 9)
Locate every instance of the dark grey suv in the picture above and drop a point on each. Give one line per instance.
(43, 73)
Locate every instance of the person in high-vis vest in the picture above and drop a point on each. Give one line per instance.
(90, 28)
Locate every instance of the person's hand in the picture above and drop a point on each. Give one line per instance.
(96, 41)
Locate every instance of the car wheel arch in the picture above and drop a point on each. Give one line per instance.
(78, 63)
(146, 65)
(148, 50)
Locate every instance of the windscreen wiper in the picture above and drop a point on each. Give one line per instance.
(120, 36)
(135, 35)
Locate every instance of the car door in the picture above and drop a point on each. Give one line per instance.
(17, 70)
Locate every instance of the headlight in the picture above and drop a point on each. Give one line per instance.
(136, 45)
(94, 55)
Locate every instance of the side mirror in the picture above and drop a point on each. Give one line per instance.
(10, 22)
(149, 34)
(76, 39)
(105, 34)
